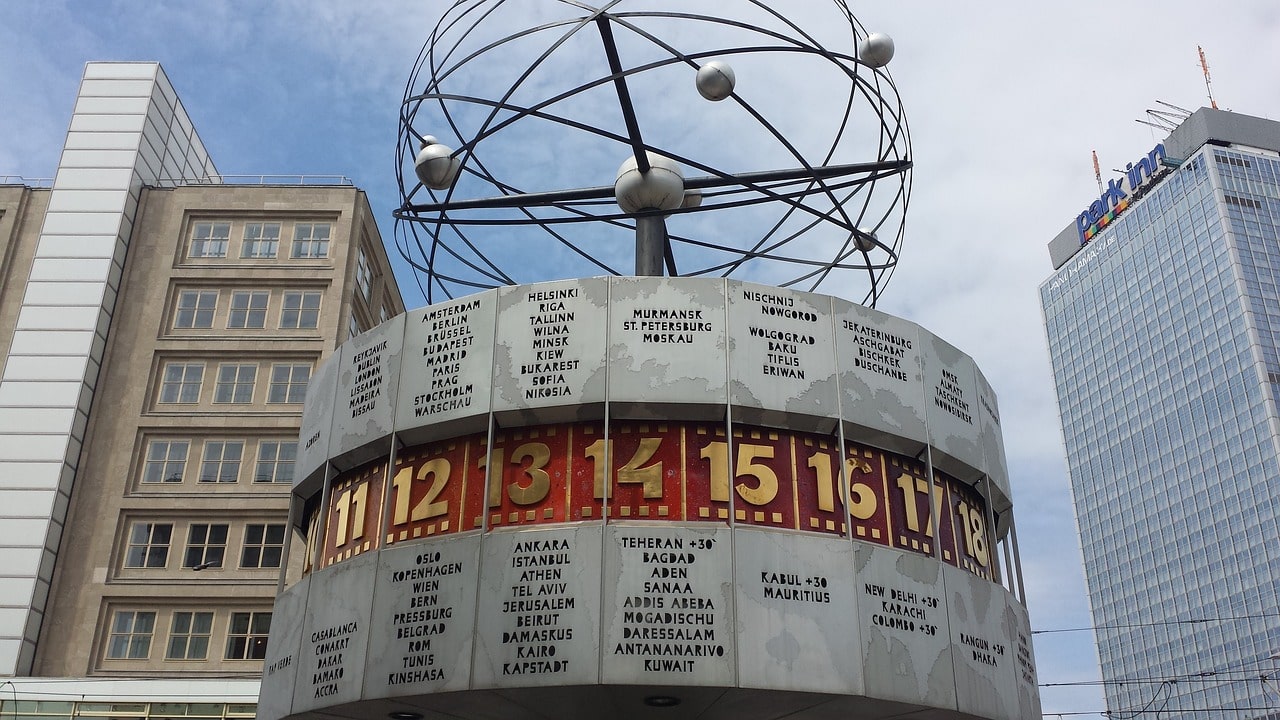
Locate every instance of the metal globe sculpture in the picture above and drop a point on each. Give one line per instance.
(785, 128)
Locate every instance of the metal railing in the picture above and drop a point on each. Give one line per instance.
(264, 180)
(29, 182)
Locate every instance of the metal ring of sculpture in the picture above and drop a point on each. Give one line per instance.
(534, 97)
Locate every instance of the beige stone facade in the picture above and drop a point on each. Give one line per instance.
(170, 555)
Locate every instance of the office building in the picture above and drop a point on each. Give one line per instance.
(1163, 321)
(158, 325)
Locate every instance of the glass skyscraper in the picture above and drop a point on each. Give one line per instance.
(1163, 321)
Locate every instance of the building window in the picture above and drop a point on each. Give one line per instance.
(209, 240)
(221, 462)
(275, 461)
(131, 632)
(148, 545)
(311, 240)
(263, 546)
(189, 636)
(166, 459)
(288, 383)
(235, 383)
(300, 310)
(364, 275)
(181, 382)
(260, 240)
(353, 327)
(248, 309)
(247, 635)
(206, 545)
(195, 309)
(384, 314)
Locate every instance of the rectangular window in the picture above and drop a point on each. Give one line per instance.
(189, 636)
(130, 637)
(263, 546)
(209, 239)
(275, 461)
(247, 635)
(261, 240)
(353, 327)
(221, 462)
(300, 310)
(166, 460)
(311, 240)
(148, 545)
(181, 382)
(364, 275)
(288, 383)
(206, 545)
(248, 309)
(235, 383)
(195, 309)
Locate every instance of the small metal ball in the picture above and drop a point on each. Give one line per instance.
(662, 188)
(865, 239)
(435, 165)
(716, 80)
(876, 50)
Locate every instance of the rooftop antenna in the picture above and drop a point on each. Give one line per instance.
(1166, 120)
(1097, 171)
(1208, 84)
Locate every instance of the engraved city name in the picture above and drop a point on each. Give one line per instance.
(537, 607)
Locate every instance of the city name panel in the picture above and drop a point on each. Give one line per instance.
(650, 495)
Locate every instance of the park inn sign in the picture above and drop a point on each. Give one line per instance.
(1115, 199)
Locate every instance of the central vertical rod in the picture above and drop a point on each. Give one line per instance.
(651, 240)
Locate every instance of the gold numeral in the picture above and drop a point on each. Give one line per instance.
(826, 482)
(350, 508)
(974, 531)
(438, 469)
(539, 481)
(633, 471)
(766, 487)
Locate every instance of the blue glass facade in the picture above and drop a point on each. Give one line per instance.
(1164, 336)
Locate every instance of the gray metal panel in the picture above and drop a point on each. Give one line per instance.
(368, 377)
(446, 372)
(549, 357)
(1064, 245)
(880, 378)
(1018, 626)
(667, 347)
(424, 615)
(1209, 124)
(335, 634)
(795, 631)
(539, 606)
(993, 457)
(668, 605)
(780, 348)
(317, 426)
(284, 654)
(906, 645)
(981, 647)
(951, 406)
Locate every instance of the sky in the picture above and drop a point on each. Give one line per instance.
(1005, 101)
